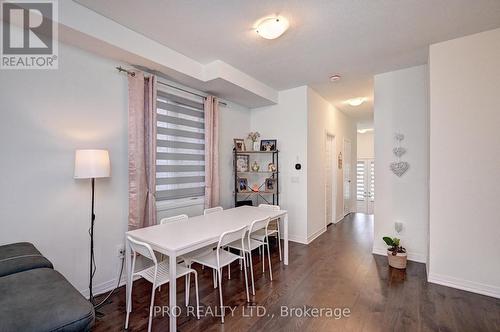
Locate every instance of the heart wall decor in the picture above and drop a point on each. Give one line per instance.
(399, 151)
(399, 167)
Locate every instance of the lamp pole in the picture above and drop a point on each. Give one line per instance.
(92, 164)
(92, 220)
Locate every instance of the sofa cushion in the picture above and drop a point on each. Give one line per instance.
(42, 300)
(22, 256)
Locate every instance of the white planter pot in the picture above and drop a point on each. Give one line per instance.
(256, 146)
(397, 261)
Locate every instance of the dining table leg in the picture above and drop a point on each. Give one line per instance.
(172, 294)
(285, 233)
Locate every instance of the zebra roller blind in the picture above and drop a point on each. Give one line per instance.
(180, 157)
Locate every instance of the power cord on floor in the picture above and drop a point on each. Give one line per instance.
(96, 306)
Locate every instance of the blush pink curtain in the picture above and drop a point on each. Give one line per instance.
(141, 150)
(211, 152)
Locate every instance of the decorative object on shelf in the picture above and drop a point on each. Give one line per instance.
(242, 163)
(399, 167)
(396, 254)
(253, 136)
(270, 184)
(246, 163)
(268, 145)
(339, 161)
(239, 144)
(255, 167)
(242, 185)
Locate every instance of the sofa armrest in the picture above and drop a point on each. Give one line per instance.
(19, 257)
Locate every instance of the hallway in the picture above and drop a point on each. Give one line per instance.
(337, 270)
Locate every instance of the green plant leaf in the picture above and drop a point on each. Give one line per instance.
(388, 241)
(396, 241)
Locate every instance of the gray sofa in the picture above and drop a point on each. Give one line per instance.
(35, 297)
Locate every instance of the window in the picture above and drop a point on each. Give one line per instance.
(360, 180)
(180, 164)
(372, 181)
(365, 180)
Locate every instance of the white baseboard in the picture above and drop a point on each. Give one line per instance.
(295, 238)
(303, 240)
(414, 257)
(465, 285)
(105, 287)
(313, 236)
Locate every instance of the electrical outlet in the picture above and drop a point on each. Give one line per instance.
(120, 251)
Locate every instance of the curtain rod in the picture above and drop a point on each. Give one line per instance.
(131, 73)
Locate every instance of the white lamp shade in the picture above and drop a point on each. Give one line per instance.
(92, 164)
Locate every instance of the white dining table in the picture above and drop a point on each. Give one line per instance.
(178, 238)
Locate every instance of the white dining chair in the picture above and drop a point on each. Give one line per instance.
(158, 274)
(275, 231)
(209, 211)
(190, 255)
(212, 210)
(220, 258)
(251, 244)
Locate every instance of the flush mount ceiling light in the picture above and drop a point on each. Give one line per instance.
(356, 101)
(364, 131)
(335, 78)
(271, 27)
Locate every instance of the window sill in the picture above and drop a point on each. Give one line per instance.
(179, 203)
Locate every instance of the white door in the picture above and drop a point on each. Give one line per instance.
(331, 180)
(365, 186)
(347, 176)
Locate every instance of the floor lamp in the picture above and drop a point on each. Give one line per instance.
(92, 164)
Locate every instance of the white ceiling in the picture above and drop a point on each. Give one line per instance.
(356, 39)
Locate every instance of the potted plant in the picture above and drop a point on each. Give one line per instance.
(254, 136)
(396, 254)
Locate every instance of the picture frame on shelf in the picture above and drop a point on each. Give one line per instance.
(242, 185)
(268, 145)
(243, 163)
(239, 144)
(270, 184)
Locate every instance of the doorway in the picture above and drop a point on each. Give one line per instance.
(331, 180)
(365, 185)
(347, 176)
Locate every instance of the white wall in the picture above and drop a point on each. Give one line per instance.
(234, 122)
(287, 122)
(465, 163)
(300, 122)
(323, 118)
(401, 105)
(366, 147)
(45, 116)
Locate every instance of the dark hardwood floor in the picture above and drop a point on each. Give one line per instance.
(337, 270)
